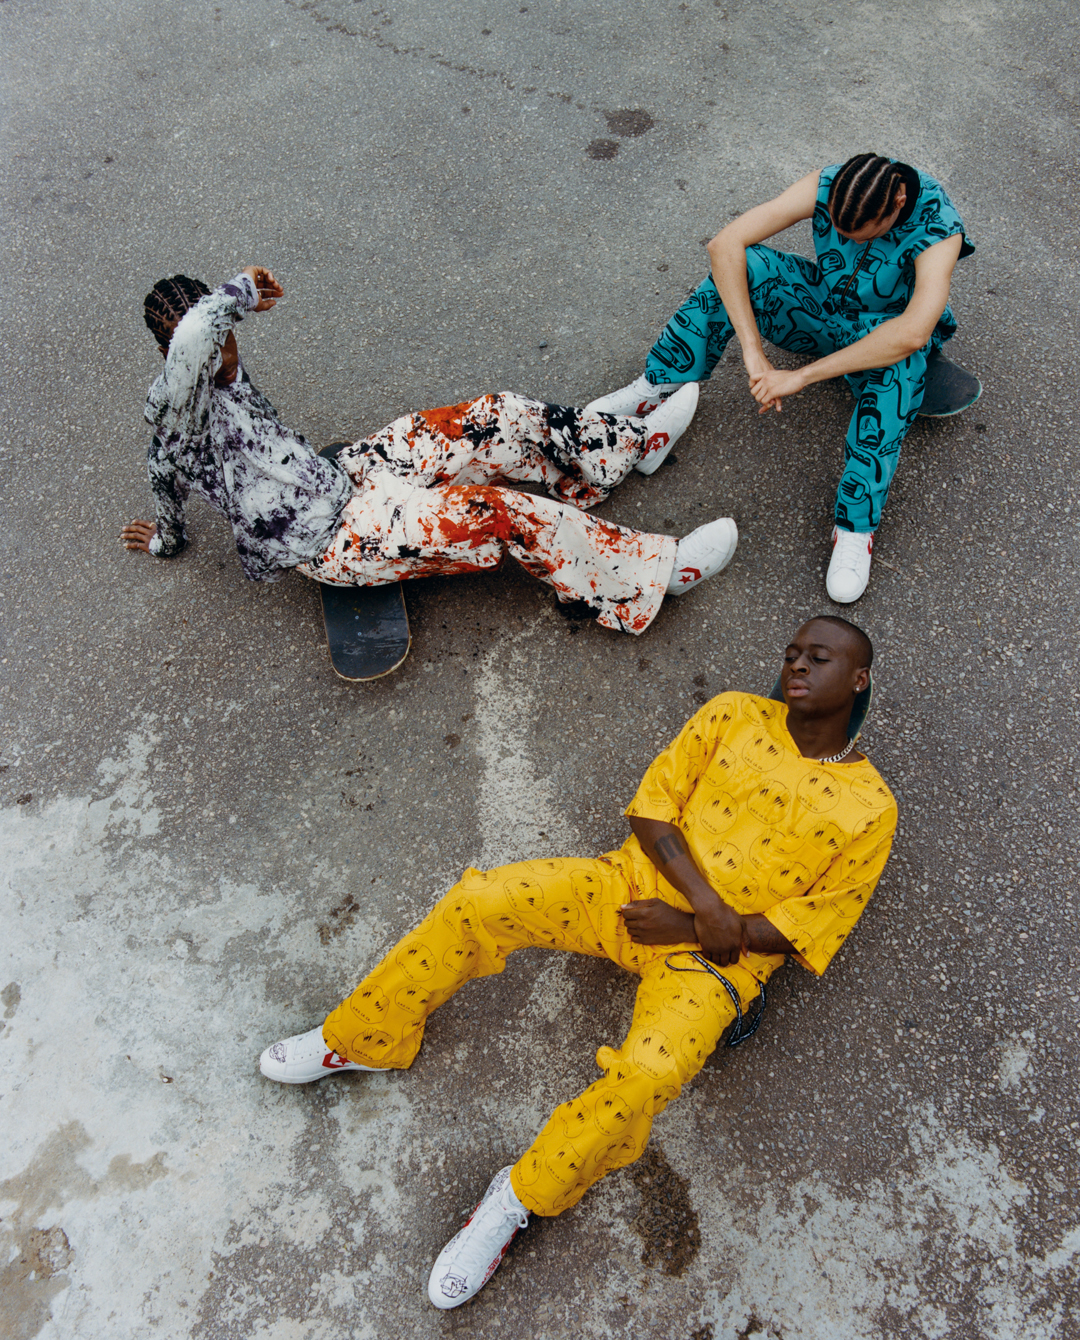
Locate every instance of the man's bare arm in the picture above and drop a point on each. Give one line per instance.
(651, 921)
(718, 928)
(888, 343)
(727, 253)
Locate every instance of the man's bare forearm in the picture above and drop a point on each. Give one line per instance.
(762, 937)
(728, 260)
(666, 847)
(887, 344)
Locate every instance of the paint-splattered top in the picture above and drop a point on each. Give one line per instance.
(225, 444)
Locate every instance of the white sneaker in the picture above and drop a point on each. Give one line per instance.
(703, 553)
(641, 397)
(303, 1058)
(849, 567)
(472, 1256)
(666, 425)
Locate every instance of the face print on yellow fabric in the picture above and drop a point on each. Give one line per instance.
(461, 957)
(790, 880)
(769, 847)
(718, 814)
(586, 885)
(825, 840)
(612, 1115)
(504, 928)
(871, 792)
(564, 1163)
(819, 790)
(371, 1004)
(762, 752)
(412, 1001)
(722, 765)
(652, 1052)
(769, 802)
(525, 894)
(417, 961)
(565, 914)
(726, 862)
(370, 1046)
(462, 912)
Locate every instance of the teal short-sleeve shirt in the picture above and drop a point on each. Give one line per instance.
(878, 277)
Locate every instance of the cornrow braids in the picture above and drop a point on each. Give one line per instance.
(863, 191)
(167, 302)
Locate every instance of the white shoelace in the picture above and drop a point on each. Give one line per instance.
(850, 548)
(492, 1224)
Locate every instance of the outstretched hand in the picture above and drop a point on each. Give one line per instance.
(269, 288)
(138, 534)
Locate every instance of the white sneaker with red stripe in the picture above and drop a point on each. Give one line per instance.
(666, 425)
(702, 554)
(472, 1256)
(849, 567)
(641, 397)
(303, 1058)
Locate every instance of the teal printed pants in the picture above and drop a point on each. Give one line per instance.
(795, 309)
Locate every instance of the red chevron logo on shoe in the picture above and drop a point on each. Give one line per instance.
(646, 407)
(656, 443)
(687, 575)
(332, 1061)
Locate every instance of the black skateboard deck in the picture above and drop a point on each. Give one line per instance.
(367, 627)
(949, 388)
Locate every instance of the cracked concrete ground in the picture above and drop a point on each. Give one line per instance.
(206, 837)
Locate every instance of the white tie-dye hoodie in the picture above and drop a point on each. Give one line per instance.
(225, 444)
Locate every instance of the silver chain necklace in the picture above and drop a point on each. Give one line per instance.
(836, 758)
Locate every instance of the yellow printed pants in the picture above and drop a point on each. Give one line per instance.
(569, 904)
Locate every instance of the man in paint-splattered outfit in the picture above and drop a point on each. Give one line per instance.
(758, 833)
(416, 499)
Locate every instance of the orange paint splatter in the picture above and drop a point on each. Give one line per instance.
(446, 420)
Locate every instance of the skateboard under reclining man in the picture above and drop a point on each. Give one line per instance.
(873, 309)
(759, 832)
(415, 499)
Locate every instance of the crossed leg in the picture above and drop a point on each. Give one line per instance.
(578, 456)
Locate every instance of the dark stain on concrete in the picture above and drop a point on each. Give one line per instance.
(33, 1274)
(31, 1280)
(602, 149)
(667, 1223)
(341, 918)
(629, 123)
(10, 996)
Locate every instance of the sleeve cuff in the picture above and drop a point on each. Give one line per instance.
(246, 285)
(155, 545)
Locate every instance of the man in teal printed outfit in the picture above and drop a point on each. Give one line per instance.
(871, 309)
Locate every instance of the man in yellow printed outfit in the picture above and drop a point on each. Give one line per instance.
(759, 832)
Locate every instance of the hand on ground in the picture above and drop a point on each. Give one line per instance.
(654, 922)
(269, 288)
(138, 534)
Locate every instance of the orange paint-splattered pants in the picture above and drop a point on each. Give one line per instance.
(572, 904)
(421, 507)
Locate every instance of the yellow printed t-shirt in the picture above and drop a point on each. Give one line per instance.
(800, 841)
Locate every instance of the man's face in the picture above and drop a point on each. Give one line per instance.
(821, 673)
